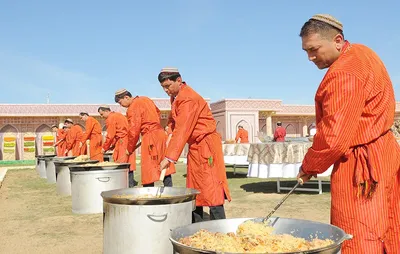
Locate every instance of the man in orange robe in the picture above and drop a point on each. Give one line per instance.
(117, 139)
(60, 140)
(355, 107)
(191, 122)
(93, 135)
(280, 133)
(74, 138)
(243, 135)
(144, 118)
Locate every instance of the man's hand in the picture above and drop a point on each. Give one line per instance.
(103, 151)
(164, 164)
(126, 152)
(303, 176)
(80, 144)
(66, 152)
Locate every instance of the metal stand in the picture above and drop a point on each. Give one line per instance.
(319, 190)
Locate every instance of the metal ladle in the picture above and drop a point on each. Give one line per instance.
(299, 182)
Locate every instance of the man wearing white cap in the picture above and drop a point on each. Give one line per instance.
(144, 119)
(279, 133)
(93, 135)
(117, 139)
(74, 138)
(355, 108)
(191, 122)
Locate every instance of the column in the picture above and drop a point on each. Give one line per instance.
(305, 126)
(268, 125)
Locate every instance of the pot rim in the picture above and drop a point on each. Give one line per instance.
(329, 247)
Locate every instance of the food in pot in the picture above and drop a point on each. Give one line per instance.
(142, 196)
(79, 158)
(101, 164)
(252, 237)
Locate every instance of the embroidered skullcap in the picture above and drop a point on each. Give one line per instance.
(105, 106)
(54, 126)
(120, 91)
(328, 19)
(279, 122)
(68, 120)
(170, 70)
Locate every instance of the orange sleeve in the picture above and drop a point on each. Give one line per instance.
(135, 123)
(111, 130)
(171, 122)
(237, 136)
(73, 135)
(89, 126)
(188, 112)
(342, 104)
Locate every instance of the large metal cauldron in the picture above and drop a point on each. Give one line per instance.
(63, 177)
(136, 221)
(298, 228)
(89, 181)
(41, 167)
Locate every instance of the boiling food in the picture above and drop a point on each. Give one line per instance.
(252, 237)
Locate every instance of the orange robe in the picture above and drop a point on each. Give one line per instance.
(280, 134)
(243, 135)
(117, 139)
(355, 108)
(61, 146)
(144, 118)
(74, 138)
(93, 133)
(192, 122)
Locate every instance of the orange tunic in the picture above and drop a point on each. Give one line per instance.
(117, 139)
(93, 133)
(74, 138)
(192, 122)
(355, 108)
(243, 135)
(61, 143)
(280, 134)
(144, 118)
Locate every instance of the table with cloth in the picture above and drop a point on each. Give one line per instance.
(236, 155)
(281, 160)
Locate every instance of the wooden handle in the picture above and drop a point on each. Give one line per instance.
(162, 175)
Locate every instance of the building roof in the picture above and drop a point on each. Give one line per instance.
(15, 110)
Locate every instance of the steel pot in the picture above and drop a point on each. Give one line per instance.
(138, 223)
(63, 177)
(298, 228)
(88, 182)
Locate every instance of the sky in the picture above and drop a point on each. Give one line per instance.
(82, 51)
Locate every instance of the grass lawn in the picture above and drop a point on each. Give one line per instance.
(34, 219)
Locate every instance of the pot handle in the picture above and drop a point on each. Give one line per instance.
(158, 217)
(103, 179)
